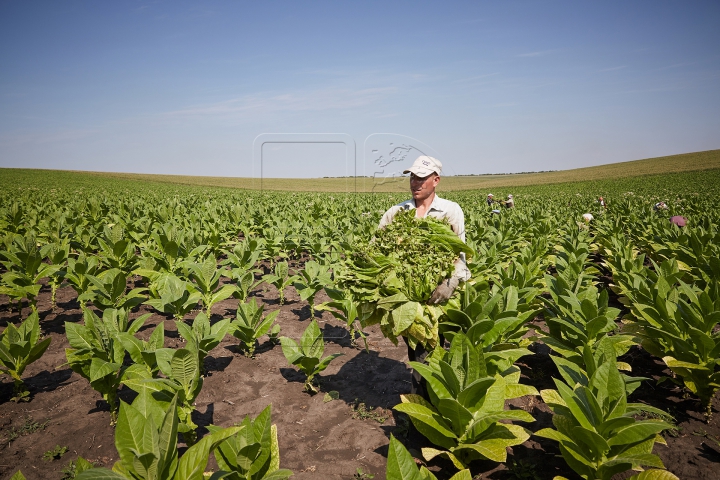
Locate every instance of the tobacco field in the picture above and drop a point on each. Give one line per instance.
(178, 331)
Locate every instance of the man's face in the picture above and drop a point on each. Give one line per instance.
(422, 187)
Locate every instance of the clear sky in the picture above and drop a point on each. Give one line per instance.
(184, 87)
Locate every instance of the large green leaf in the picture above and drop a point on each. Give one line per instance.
(184, 367)
(97, 474)
(193, 462)
(495, 446)
(592, 441)
(310, 342)
(427, 420)
(638, 431)
(129, 432)
(79, 336)
(654, 475)
(100, 368)
(37, 350)
(405, 315)
(400, 464)
(291, 350)
(459, 416)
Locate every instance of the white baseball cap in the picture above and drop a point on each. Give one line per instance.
(424, 166)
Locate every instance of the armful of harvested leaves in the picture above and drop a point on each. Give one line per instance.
(393, 277)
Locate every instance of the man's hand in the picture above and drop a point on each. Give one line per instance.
(444, 291)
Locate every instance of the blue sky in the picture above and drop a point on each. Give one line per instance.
(185, 87)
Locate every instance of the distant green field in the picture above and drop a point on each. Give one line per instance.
(688, 162)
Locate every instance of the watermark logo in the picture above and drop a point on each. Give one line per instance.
(388, 155)
(379, 169)
(344, 167)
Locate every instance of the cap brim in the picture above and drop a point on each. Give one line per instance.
(420, 172)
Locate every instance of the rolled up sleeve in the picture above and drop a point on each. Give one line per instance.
(389, 216)
(455, 217)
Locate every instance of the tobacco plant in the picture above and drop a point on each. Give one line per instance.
(77, 274)
(19, 347)
(149, 357)
(107, 290)
(202, 337)
(25, 269)
(343, 307)
(571, 260)
(246, 283)
(241, 260)
(496, 317)
(467, 404)
(307, 356)
(595, 425)
(206, 278)
(167, 251)
(97, 350)
(310, 280)
(401, 465)
(12, 217)
(173, 295)
(116, 251)
(57, 254)
(680, 325)
(146, 441)
(253, 453)
(249, 325)
(280, 279)
(182, 377)
(578, 319)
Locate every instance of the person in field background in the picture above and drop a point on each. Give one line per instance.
(677, 220)
(490, 199)
(510, 202)
(424, 179)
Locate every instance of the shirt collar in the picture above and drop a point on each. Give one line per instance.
(435, 205)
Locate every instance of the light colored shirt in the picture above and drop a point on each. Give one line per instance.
(440, 209)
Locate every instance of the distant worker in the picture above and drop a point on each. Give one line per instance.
(678, 220)
(660, 206)
(601, 201)
(490, 199)
(509, 203)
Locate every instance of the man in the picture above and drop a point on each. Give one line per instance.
(509, 203)
(490, 199)
(424, 178)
